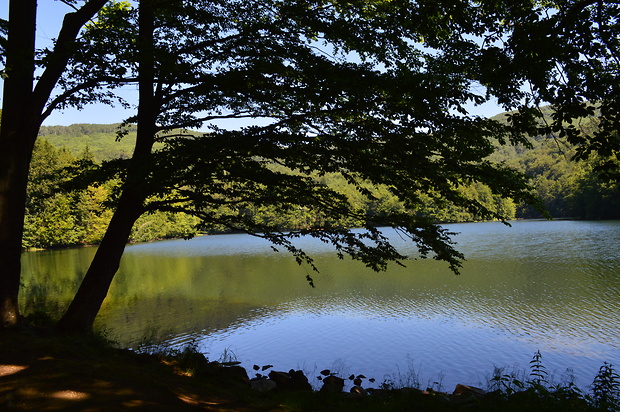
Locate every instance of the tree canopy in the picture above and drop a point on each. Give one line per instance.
(566, 188)
(376, 91)
(367, 89)
(567, 53)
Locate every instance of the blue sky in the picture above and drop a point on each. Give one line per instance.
(50, 15)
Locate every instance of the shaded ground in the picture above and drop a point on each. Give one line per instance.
(40, 371)
(48, 373)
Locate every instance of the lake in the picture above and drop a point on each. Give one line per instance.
(552, 286)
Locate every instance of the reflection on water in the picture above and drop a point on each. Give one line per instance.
(548, 286)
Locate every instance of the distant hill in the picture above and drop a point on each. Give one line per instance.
(101, 139)
(567, 188)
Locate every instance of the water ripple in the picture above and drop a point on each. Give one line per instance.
(548, 286)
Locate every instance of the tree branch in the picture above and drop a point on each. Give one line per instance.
(63, 48)
(51, 106)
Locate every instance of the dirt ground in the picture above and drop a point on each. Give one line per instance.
(48, 373)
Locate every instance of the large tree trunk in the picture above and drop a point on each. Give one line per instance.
(83, 309)
(22, 109)
(17, 137)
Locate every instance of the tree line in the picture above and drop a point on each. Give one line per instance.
(59, 214)
(567, 189)
(58, 217)
(97, 137)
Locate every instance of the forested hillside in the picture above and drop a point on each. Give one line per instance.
(61, 213)
(567, 188)
(101, 139)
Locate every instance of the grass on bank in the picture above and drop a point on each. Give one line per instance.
(41, 370)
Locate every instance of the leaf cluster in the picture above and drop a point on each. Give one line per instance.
(568, 55)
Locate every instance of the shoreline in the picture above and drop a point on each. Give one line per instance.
(44, 371)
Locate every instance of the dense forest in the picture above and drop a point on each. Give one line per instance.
(61, 212)
(101, 139)
(567, 188)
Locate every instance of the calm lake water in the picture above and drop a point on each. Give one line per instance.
(552, 286)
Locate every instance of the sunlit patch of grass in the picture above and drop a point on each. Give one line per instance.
(6, 370)
(69, 395)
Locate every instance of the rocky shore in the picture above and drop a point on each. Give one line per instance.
(231, 373)
(47, 372)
